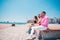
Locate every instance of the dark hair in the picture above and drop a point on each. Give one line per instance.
(44, 12)
(36, 17)
(35, 21)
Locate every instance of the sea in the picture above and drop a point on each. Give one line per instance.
(12, 22)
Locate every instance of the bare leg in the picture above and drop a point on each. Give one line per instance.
(29, 28)
(32, 31)
(37, 34)
(42, 33)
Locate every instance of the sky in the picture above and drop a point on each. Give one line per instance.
(23, 10)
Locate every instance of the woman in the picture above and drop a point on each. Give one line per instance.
(35, 20)
(35, 23)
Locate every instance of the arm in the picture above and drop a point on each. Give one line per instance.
(45, 22)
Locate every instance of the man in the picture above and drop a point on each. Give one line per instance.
(44, 25)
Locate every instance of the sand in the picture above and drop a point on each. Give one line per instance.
(18, 32)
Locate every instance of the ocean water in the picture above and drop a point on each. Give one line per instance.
(12, 23)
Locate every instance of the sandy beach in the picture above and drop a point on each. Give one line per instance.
(18, 32)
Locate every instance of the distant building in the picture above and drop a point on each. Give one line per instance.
(59, 20)
(51, 20)
(55, 20)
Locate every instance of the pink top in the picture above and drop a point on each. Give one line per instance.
(45, 21)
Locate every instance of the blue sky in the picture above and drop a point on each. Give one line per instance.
(23, 10)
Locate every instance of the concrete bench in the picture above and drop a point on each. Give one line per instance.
(50, 34)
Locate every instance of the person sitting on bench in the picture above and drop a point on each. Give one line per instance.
(44, 25)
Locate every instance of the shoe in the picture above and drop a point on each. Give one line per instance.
(36, 38)
(33, 36)
(29, 38)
